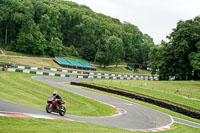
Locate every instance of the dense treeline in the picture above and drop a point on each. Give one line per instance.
(59, 28)
(180, 57)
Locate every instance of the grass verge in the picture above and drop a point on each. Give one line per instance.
(30, 61)
(24, 125)
(28, 125)
(175, 114)
(45, 56)
(22, 89)
(23, 54)
(132, 85)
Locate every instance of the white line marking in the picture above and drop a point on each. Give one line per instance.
(128, 104)
(2, 115)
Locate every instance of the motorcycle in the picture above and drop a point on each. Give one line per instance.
(55, 106)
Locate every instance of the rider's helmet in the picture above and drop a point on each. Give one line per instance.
(55, 93)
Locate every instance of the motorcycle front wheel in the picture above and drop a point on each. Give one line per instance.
(48, 108)
(62, 111)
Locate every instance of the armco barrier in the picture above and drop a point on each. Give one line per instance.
(188, 111)
(44, 68)
(49, 69)
(134, 77)
(90, 75)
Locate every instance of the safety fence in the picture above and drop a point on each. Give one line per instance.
(119, 77)
(80, 74)
(45, 68)
(35, 72)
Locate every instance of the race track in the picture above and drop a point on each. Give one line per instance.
(134, 116)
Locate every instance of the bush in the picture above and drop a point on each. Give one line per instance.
(70, 51)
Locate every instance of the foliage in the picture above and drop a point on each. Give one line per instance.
(180, 57)
(70, 51)
(60, 28)
(114, 50)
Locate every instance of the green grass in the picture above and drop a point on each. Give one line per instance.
(175, 114)
(22, 89)
(160, 89)
(179, 128)
(23, 54)
(46, 60)
(24, 125)
(23, 83)
(32, 55)
(28, 59)
(41, 62)
(28, 125)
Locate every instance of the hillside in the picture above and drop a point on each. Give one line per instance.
(15, 58)
(64, 28)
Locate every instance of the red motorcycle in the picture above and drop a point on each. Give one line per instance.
(55, 106)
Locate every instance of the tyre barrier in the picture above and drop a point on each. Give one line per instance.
(185, 110)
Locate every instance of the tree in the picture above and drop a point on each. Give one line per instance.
(7, 8)
(88, 37)
(114, 50)
(55, 47)
(32, 41)
(154, 59)
(145, 48)
(132, 40)
(194, 58)
(184, 39)
(101, 57)
(180, 56)
(54, 26)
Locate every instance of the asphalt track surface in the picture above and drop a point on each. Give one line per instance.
(134, 117)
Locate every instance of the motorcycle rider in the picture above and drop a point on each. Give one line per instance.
(56, 99)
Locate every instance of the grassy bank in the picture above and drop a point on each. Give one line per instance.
(22, 89)
(165, 90)
(24, 125)
(45, 60)
(30, 61)
(24, 54)
(172, 113)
